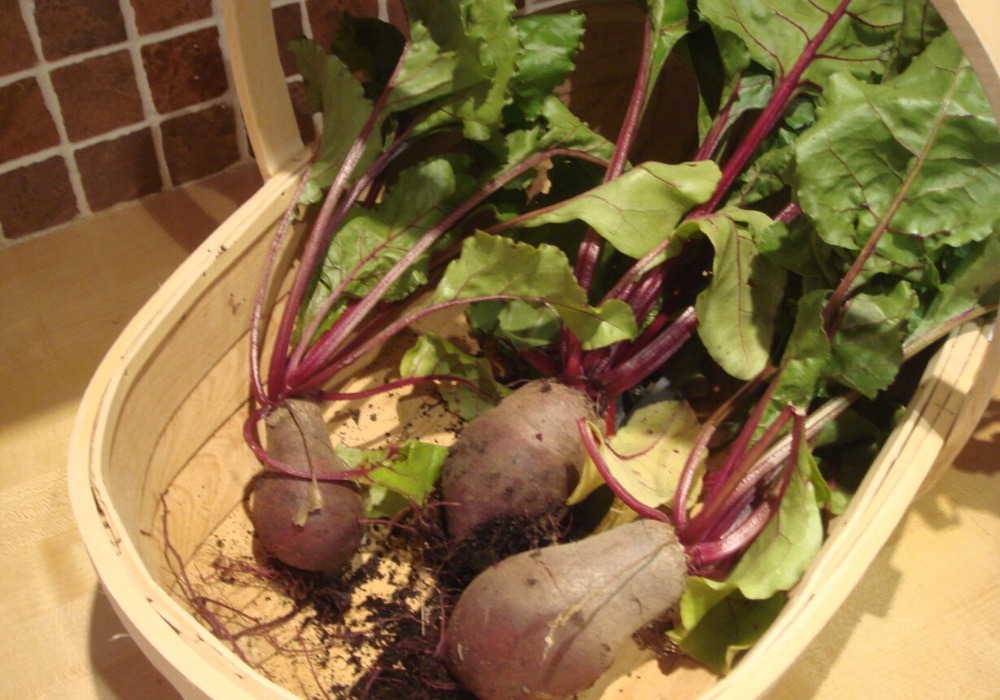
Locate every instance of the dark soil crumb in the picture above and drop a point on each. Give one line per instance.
(375, 632)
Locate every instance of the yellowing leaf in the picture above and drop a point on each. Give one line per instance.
(647, 454)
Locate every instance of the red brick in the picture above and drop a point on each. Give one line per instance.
(69, 27)
(185, 70)
(158, 15)
(36, 197)
(98, 95)
(324, 16)
(119, 170)
(303, 117)
(17, 54)
(200, 143)
(287, 26)
(26, 126)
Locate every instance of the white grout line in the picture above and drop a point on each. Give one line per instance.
(306, 22)
(152, 118)
(44, 79)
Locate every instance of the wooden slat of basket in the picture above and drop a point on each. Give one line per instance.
(939, 413)
(260, 83)
(202, 667)
(104, 486)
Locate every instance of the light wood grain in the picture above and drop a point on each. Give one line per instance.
(920, 625)
(924, 617)
(63, 300)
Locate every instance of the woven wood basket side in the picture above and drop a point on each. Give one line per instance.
(178, 374)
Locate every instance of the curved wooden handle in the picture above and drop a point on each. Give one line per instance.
(260, 83)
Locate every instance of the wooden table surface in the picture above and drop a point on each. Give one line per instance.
(923, 624)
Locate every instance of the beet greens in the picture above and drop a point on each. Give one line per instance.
(839, 214)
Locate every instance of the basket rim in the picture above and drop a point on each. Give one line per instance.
(155, 616)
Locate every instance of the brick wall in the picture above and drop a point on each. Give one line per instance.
(106, 101)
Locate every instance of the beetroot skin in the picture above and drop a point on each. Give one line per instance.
(545, 624)
(310, 525)
(520, 459)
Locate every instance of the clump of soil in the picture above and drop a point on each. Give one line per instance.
(375, 631)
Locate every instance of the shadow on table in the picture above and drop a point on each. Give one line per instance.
(121, 670)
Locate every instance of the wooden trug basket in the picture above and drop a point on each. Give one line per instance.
(161, 408)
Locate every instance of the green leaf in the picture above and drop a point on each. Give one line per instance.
(408, 477)
(333, 90)
(566, 130)
(921, 25)
(640, 209)
(462, 50)
(369, 46)
(721, 618)
(549, 43)
(541, 278)
(371, 241)
(796, 247)
(769, 172)
(646, 455)
(867, 346)
(737, 311)
(917, 158)
(807, 354)
(433, 355)
(972, 280)
(426, 71)
(785, 549)
(776, 34)
(668, 23)
(717, 622)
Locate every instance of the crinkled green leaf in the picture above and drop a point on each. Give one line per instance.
(646, 455)
(332, 90)
(777, 32)
(523, 324)
(405, 478)
(717, 622)
(371, 241)
(737, 311)
(796, 247)
(549, 43)
(427, 71)
(462, 50)
(867, 346)
(770, 171)
(973, 280)
(921, 25)
(807, 354)
(640, 209)
(917, 157)
(541, 278)
(433, 355)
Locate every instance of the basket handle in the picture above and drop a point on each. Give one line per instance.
(260, 83)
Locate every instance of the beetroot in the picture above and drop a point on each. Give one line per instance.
(547, 623)
(520, 459)
(309, 524)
